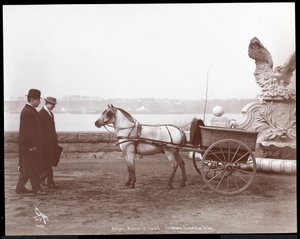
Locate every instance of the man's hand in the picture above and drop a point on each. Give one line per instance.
(19, 168)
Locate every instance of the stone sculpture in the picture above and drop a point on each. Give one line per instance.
(274, 115)
(274, 83)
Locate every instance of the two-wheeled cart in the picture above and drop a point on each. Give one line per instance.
(226, 161)
(224, 158)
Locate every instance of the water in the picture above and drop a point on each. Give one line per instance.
(86, 122)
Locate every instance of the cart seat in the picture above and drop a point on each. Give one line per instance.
(195, 131)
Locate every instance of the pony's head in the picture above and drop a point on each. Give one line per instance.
(108, 117)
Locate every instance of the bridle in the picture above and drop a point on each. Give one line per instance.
(128, 116)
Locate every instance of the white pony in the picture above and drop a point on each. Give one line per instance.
(135, 138)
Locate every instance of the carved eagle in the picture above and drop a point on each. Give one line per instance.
(264, 74)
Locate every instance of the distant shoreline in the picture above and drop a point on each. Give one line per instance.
(137, 106)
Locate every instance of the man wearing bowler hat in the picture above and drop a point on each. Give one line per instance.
(30, 150)
(51, 150)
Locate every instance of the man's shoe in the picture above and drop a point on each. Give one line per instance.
(40, 192)
(23, 190)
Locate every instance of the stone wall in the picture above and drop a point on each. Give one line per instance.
(96, 145)
(75, 144)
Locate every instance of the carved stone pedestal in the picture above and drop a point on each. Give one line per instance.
(275, 120)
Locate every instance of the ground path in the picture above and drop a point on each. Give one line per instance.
(92, 199)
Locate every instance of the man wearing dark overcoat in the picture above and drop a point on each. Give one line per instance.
(49, 141)
(30, 150)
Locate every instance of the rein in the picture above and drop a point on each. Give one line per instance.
(108, 129)
(119, 128)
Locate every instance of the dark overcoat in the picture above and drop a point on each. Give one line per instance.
(49, 140)
(30, 150)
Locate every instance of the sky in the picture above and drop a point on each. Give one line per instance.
(166, 51)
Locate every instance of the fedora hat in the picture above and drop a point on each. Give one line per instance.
(34, 93)
(51, 100)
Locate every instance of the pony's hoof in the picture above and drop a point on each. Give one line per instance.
(182, 185)
(171, 187)
(127, 184)
(132, 186)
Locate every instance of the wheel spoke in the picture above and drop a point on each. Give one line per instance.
(212, 170)
(220, 181)
(235, 182)
(227, 181)
(241, 157)
(224, 157)
(215, 176)
(228, 159)
(238, 174)
(237, 150)
(213, 154)
(244, 171)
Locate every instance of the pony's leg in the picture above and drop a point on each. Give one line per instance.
(129, 176)
(182, 167)
(131, 170)
(172, 159)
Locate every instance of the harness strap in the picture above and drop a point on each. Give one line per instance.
(138, 130)
(183, 137)
(135, 133)
(169, 134)
(131, 132)
(138, 135)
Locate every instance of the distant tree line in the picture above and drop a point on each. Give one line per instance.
(83, 105)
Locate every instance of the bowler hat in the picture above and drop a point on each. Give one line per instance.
(34, 93)
(51, 100)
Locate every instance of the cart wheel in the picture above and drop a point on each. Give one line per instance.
(196, 163)
(228, 167)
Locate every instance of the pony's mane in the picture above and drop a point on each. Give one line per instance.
(128, 116)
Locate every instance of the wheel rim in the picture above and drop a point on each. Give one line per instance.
(196, 162)
(228, 167)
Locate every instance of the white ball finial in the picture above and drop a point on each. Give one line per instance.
(218, 111)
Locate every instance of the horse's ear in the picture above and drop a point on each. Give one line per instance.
(112, 106)
(109, 106)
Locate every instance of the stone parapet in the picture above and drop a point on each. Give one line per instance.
(75, 144)
(96, 145)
